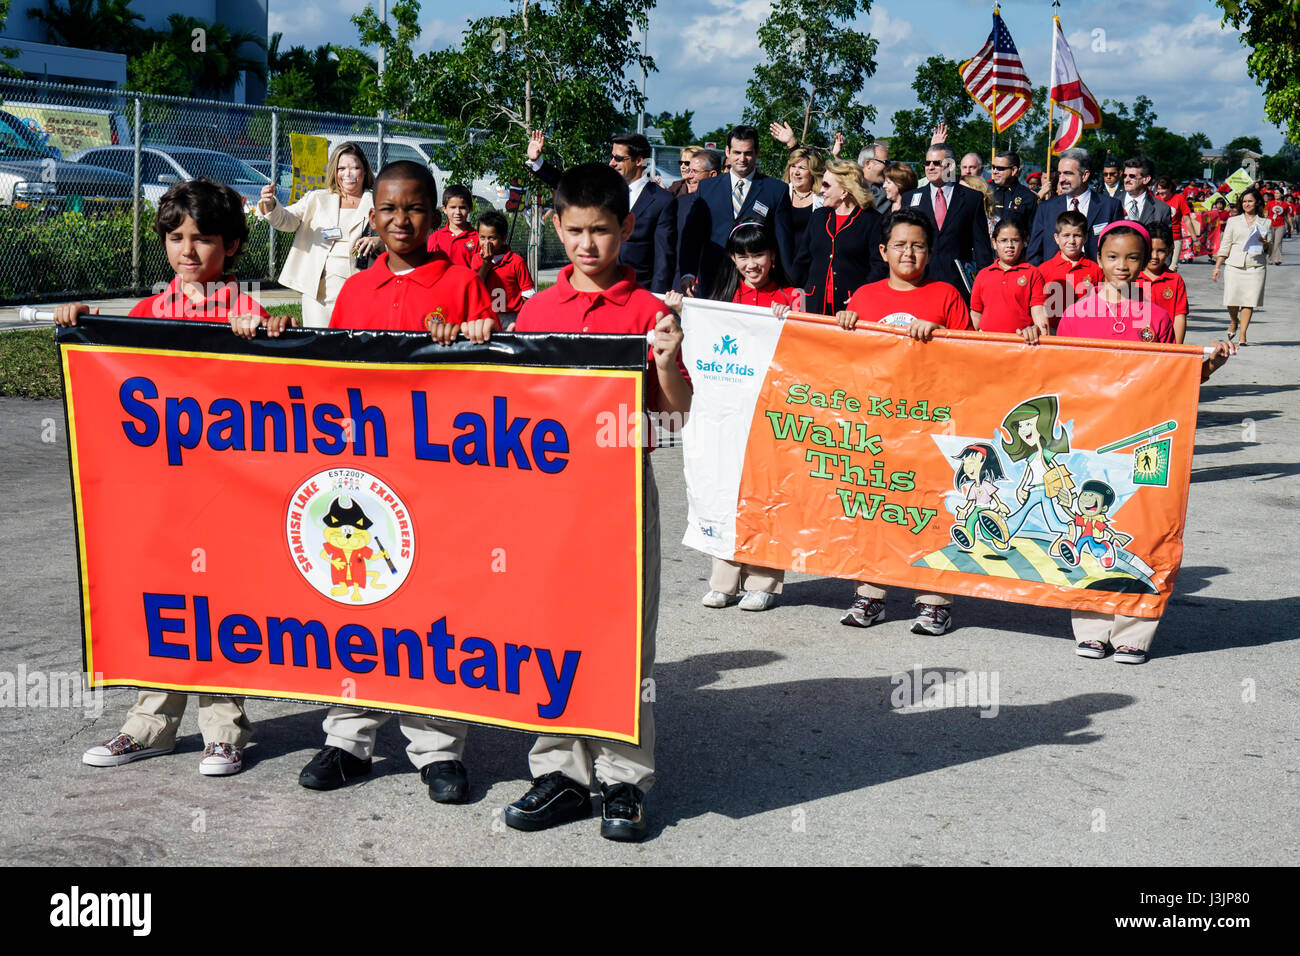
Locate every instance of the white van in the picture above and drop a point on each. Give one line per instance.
(420, 150)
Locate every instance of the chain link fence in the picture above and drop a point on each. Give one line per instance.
(82, 168)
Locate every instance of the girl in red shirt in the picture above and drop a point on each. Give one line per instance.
(1009, 295)
(1161, 284)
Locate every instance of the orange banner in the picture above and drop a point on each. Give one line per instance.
(413, 529)
(971, 464)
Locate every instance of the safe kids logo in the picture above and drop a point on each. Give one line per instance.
(727, 346)
(350, 536)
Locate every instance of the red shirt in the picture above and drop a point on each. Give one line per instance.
(1128, 320)
(460, 248)
(1277, 213)
(1180, 209)
(375, 298)
(1168, 290)
(510, 276)
(224, 300)
(624, 307)
(1003, 297)
(1065, 282)
(932, 301)
(765, 296)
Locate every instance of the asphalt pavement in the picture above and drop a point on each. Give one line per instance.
(779, 741)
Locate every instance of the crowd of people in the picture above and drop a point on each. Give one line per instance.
(865, 242)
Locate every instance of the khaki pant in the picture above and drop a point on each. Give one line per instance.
(430, 740)
(1175, 254)
(868, 590)
(156, 715)
(1275, 245)
(617, 762)
(1114, 629)
(731, 577)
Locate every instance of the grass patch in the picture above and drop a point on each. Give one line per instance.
(29, 364)
(291, 309)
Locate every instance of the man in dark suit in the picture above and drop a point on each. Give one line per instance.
(705, 164)
(743, 193)
(1111, 173)
(652, 248)
(1140, 204)
(1100, 210)
(961, 229)
(1011, 198)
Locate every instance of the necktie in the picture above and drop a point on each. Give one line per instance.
(1132, 208)
(738, 198)
(1074, 203)
(940, 207)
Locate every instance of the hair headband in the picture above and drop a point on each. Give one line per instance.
(741, 225)
(1132, 224)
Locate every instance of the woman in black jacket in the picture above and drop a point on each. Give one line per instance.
(840, 250)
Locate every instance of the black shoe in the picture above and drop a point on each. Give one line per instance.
(554, 799)
(331, 769)
(447, 780)
(622, 816)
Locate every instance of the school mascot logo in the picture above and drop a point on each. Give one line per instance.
(350, 536)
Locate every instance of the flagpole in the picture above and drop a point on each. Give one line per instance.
(993, 119)
(1051, 101)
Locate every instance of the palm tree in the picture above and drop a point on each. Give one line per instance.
(108, 25)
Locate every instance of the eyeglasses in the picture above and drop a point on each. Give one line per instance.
(1131, 175)
(684, 163)
(934, 162)
(616, 158)
(1003, 169)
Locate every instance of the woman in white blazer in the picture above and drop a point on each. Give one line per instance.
(1243, 247)
(329, 228)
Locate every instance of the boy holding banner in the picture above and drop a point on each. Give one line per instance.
(408, 288)
(202, 227)
(596, 294)
(907, 299)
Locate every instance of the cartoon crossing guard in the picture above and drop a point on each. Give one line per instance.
(982, 513)
(1046, 483)
(347, 539)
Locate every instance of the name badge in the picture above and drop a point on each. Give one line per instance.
(1096, 230)
(332, 233)
(760, 208)
(916, 200)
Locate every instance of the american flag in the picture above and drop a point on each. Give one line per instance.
(996, 76)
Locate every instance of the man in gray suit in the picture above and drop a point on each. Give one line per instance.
(1140, 204)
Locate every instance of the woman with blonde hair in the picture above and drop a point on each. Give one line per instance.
(803, 172)
(899, 178)
(329, 227)
(840, 250)
(978, 184)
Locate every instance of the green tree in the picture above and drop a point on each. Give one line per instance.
(159, 70)
(395, 94)
(108, 25)
(676, 127)
(1271, 28)
(7, 52)
(315, 79)
(943, 99)
(213, 56)
(816, 64)
(1244, 142)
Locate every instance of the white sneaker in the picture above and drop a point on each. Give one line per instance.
(220, 760)
(121, 749)
(757, 600)
(717, 599)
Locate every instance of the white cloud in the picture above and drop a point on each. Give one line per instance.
(729, 33)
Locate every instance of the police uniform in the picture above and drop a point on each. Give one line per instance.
(1016, 201)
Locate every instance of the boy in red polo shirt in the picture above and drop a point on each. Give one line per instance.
(1161, 284)
(595, 294)
(1069, 275)
(907, 299)
(503, 272)
(202, 227)
(1008, 295)
(408, 288)
(456, 240)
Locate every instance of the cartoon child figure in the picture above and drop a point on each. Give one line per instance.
(1091, 529)
(1046, 483)
(976, 478)
(346, 548)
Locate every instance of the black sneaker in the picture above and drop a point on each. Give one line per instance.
(622, 815)
(331, 769)
(448, 782)
(553, 799)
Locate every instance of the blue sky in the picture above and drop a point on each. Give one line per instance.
(1174, 51)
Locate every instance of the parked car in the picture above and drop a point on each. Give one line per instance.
(163, 166)
(420, 150)
(69, 129)
(31, 172)
(204, 136)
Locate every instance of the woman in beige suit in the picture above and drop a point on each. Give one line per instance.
(329, 228)
(1244, 248)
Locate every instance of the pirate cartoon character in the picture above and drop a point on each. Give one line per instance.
(346, 548)
(1091, 529)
